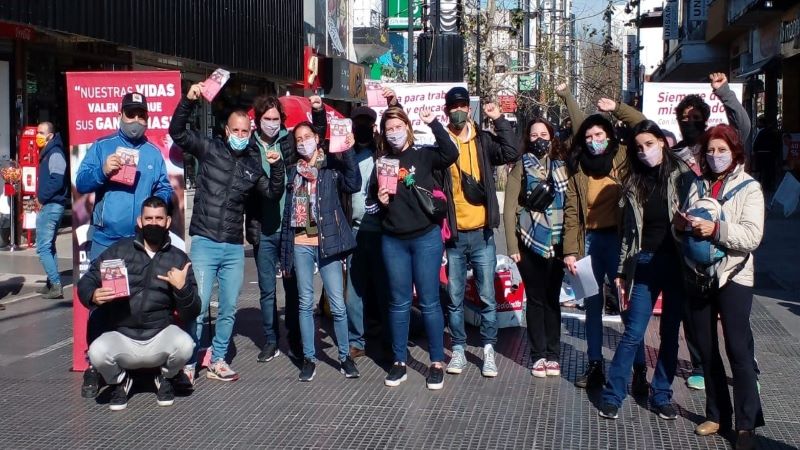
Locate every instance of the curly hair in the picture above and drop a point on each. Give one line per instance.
(693, 101)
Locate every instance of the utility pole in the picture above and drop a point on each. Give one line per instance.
(410, 41)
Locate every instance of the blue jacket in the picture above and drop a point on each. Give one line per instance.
(335, 235)
(51, 182)
(116, 205)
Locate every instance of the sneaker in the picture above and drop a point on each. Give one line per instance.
(268, 353)
(308, 371)
(221, 371)
(552, 368)
(489, 368)
(593, 377)
(608, 411)
(349, 368)
(54, 292)
(666, 412)
(184, 381)
(165, 393)
(539, 369)
(44, 289)
(435, 380)
(119, 394)
(91, 383)
(397, 374)
(639, 385)
(696, 382)
(458, 362)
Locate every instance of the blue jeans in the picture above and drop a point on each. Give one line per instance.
(414, 263)
(655, 272)
(224, 262)
(46, 231)
(366, 281)
(603, 246)
(330, 269)
(476, 247)
(266, 257)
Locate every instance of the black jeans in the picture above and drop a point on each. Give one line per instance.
(691, 340)
(733, 303)
(542, 278)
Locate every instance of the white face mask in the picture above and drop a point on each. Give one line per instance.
(307, 148)
(397, 140)
(270, 127)
(719, 163)
(652, 156)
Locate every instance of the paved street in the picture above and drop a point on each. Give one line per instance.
(268, 407)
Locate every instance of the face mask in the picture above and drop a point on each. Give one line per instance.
(652, 156)
(238, 143)
(41, 141)
(539, 147)
(363, 134)
(458, 119)
(155, 235)
(597, 147)
(719, 163)
(397, 140)
(307, 148)
(132, 130)
(691, 131)
(270, 127)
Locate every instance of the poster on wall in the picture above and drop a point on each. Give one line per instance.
(660, 99)
(94, 109)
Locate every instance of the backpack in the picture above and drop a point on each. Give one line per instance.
(703, 256)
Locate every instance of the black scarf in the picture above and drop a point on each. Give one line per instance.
(599, 165)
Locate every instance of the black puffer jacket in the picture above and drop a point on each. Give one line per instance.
(224, 180)
(149, 308)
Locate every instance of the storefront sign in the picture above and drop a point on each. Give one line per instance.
(357, 89)
(508, 103)
(21, 32)
(698, 10)
(670, 15)
(397, 14)
(311, 79)
(660, 99)
(790, 34)
(93, 100)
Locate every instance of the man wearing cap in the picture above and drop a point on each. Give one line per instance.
(366, 279)
(116, 203)
(473, 215)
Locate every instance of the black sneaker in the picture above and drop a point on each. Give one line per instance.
(593, 377)
(397, 374)
(608, 411)
(119, 394)
(666, 412)
(91, 383)
(639, 385)
(435, 380)
(308, 371)
(165, 395)
(349, 368)
(268, 353)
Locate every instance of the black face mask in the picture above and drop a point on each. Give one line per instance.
(155, 235)
(539, 147)
(691, 131)
(362, 133)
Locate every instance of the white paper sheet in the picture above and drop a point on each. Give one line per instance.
(583, 283)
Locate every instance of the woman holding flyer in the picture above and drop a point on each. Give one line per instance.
(406, 195)
(534, 231)
(316, 230)
(654, 186)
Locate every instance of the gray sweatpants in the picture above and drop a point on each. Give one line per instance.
(113, 352)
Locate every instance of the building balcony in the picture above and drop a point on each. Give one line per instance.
(369, 38)
(730, 18)
(691, 61)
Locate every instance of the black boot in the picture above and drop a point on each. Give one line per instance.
(594, 376)
(639, 385)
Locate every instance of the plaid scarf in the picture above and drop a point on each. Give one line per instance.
(541, 231)
(304, 201)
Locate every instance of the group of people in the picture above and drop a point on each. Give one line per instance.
(636, 207)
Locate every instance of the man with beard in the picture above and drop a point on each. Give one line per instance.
(140, 330)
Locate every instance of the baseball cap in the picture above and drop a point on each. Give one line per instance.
(455, 95)
(364, 111)
(134, 100)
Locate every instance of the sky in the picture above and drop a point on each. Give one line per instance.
(589, 12)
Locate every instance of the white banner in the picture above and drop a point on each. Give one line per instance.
(670, 16)
(660, 99)
(414, 96)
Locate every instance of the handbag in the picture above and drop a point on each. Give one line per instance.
(539, 197)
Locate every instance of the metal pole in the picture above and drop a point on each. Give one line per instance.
(478, 57)
(410, 41)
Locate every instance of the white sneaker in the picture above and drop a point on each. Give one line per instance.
(489, 368)
(458, 362)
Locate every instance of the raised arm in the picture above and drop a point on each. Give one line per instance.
(737, 116)
(575, 112)
(501, 145)
(190, 141)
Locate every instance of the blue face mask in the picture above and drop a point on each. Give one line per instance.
(237, 143)
(598, 147)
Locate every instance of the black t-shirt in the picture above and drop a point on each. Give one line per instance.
(655, 221)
